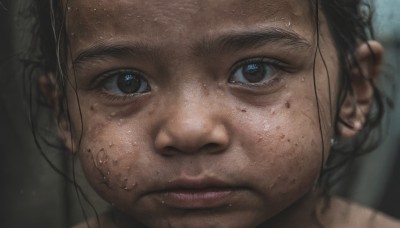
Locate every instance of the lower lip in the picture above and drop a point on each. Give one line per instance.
(197, 199)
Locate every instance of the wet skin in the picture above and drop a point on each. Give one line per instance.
(199, 113)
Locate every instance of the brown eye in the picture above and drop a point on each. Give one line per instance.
(253, 73)
(126, 83)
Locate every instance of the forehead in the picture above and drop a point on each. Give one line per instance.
(180, 20)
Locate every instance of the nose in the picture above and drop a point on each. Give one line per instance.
(194, 128)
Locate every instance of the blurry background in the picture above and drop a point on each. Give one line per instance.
(33, 195)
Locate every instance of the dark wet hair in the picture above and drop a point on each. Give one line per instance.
(349, 22)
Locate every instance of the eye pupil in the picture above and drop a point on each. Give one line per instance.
(129, 83)
(254, 72)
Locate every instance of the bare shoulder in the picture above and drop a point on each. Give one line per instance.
(345, 214)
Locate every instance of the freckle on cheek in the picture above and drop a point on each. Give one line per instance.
(241, 109)
(93, 107)
(287, 104)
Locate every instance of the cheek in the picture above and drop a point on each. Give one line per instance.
(283, 144)
(111, 156)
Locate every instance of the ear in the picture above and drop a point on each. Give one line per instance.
(51, 92)
(357, 104)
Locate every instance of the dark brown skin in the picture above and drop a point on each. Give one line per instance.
(203, 146)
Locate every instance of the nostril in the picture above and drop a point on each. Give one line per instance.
(211, 148)
(208, 148)
(170, 151)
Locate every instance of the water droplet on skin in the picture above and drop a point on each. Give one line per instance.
(303, 79)
(69, 8)
(94, 9)
(113, 114)
(163, 202)
(101, 156)
(111, 145)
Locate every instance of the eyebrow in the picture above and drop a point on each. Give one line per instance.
(230, 42)
(236, 41)
(104, 50)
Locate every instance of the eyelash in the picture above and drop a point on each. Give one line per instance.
(275, 65)
(113, 75)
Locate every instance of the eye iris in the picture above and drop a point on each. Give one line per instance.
(129, 83)
(254, 72)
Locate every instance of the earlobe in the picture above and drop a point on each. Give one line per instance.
(357, 103)
(49, 89)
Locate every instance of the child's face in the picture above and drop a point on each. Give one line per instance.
(199, 112)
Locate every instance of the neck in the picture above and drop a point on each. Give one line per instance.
(306, 211)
